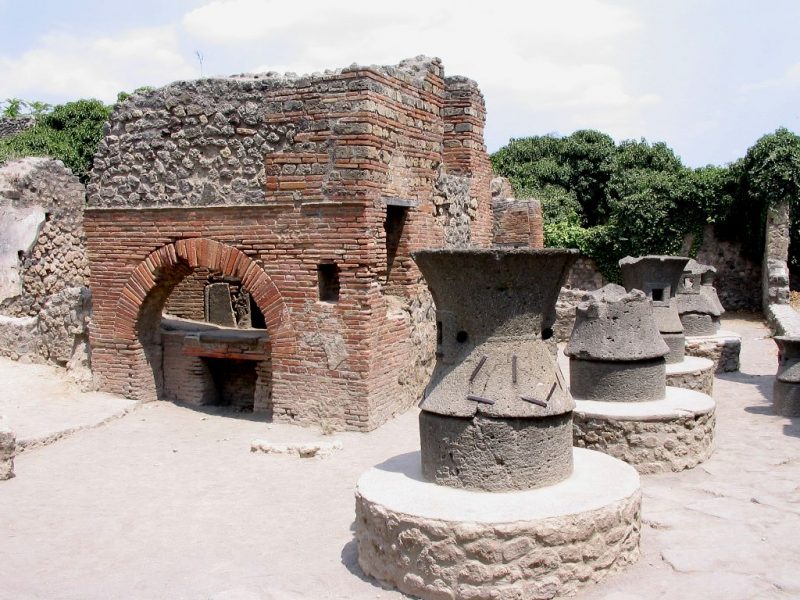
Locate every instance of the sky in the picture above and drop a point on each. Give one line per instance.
(708, 77)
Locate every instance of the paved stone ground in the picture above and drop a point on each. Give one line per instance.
(168, 502)
(41, 406)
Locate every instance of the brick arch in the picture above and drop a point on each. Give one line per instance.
(203, 252)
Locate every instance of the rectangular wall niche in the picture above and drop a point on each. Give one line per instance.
(234, 382)
(393, 226)
(328, 281)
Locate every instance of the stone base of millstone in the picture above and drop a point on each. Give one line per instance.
(7, 451)
(692, 373)
(672, 434)
(439, 542)
(722, 349)
(786, 398)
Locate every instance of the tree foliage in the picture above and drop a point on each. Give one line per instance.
(69, 132)
(637, 198)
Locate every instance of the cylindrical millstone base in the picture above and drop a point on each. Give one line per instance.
(786, 398)
(698, 324)
(673, 434)
(692, 373)
(722, 349)
(483, 453)
(623, 381)
(677, 347)
(436, 542)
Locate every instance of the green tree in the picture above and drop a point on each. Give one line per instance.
(633, 198)
(767, 175)
(70, 133)
(589, 155)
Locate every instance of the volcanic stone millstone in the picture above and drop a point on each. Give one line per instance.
(497, 413)
(640, 381)
(485, 453)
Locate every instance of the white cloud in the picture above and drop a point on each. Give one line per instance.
(790, 79)
(66, 67)
(538, 54)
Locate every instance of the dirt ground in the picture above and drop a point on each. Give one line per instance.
(167, 502)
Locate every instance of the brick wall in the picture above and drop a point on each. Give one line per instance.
(187, 300)
(517, 224)
(264, 179)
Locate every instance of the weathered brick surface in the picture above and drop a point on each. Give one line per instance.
(265, 178)
(187, 300)
(517, 223)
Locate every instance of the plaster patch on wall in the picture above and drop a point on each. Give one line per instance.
(19, 230)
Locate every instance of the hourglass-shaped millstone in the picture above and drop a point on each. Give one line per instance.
(616, 352)
(659, 278)
(786, 389)
(496, 414)
(698, 305)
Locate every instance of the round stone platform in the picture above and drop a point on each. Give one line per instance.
(722, 349)
(692, 373)
(437, 542)
(672, 434)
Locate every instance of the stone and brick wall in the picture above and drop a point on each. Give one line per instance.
(265, 178)
(44, 297)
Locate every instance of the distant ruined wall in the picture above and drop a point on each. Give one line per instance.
(583, 277)
(775, 266)
(738, 279)
(44, 298)
(12, 126)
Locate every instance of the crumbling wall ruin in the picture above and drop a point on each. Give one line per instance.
(44, 271)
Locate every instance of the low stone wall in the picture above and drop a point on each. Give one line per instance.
(7, 451)
(722, 349)
(654, 446)
(783, 319)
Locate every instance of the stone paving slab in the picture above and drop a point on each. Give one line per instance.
(40, 406)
